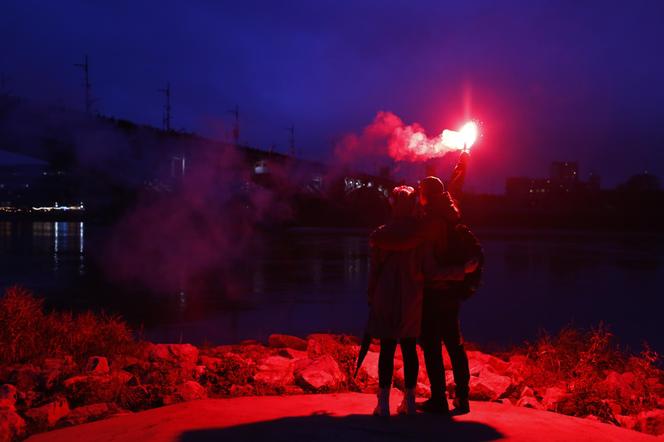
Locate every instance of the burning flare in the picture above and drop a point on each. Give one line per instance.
(405, 142)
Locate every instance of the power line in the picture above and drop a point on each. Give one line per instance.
(166, 119)
(87, 86)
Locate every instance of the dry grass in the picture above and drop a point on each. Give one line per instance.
(29, 334)
(584, 362)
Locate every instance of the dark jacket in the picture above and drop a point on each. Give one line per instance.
(396, 285)
(431, 230)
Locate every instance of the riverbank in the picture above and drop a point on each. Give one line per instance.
(58, 370)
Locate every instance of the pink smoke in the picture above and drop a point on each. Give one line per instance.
(389, 136)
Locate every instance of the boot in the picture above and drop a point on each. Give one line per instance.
(383, 407)
(435, 405)
(461, 406)
(407, 405)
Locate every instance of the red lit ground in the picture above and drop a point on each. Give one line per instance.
(334, 417)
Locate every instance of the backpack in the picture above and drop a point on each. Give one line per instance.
(463, 246)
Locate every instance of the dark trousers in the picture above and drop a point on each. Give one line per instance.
(411, 365)
(440, 324)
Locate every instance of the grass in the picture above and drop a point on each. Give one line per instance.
(29, 333)
(601, 378)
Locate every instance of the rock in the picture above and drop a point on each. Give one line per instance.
(489, 386)
(91, 389)
(184, 355)
(619, 386)
(552, 397)
(211, 363)
(628, 422)
(25, 377)
(529, 402)
(498, 365)
(12, 426)
(527, 392)
(292, 354)
(88, 413)
(287, 341)
(275, 371)
(319, 344)
(505, 401)
(63, 364)
(293, 389)
(97, 365)
(241, 390)
(190, 391)
(517, 367)
(199, 372)
(48, 415)
(8, 397)
(651, 422)
(321, 375)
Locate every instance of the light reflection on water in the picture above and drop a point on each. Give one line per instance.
(306, 281)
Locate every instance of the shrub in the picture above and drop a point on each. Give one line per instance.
(28, 334)
(601, 378)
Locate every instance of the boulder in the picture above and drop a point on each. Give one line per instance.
(241, 390)
(552, 397)
(25, 377)
(190, 391)
(211, 363)
(527, 392)
(8, 397)
(529, 402)
(275, 371)
(184, 355)
(498, 365)
(292, 354)
(97, 365)
(651, 422)
(91, 389)
(319, 344)
(287, 341)
(320, 375)
(48, 415)
(12, 426)
(89, 413)
(489, 386)
(628, 422)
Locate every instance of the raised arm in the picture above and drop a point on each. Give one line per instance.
(458, 176)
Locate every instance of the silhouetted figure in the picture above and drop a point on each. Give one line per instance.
(440, 306)
(395, 297)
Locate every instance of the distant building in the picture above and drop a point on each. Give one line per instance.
(562, 185)
(18, 176)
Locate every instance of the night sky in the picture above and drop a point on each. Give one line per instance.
(549, 80)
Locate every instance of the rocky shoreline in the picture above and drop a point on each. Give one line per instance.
(58, 392)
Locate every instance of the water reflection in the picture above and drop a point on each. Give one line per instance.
(305, 281)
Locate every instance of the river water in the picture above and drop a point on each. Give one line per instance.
(304, 281)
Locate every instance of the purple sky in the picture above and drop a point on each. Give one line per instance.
(550, 80)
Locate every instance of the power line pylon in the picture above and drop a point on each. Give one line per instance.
(166, 119)
(87, 86)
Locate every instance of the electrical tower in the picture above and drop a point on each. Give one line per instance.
(291, 141)
(166, 119)
(236, 125)
(87, 86)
